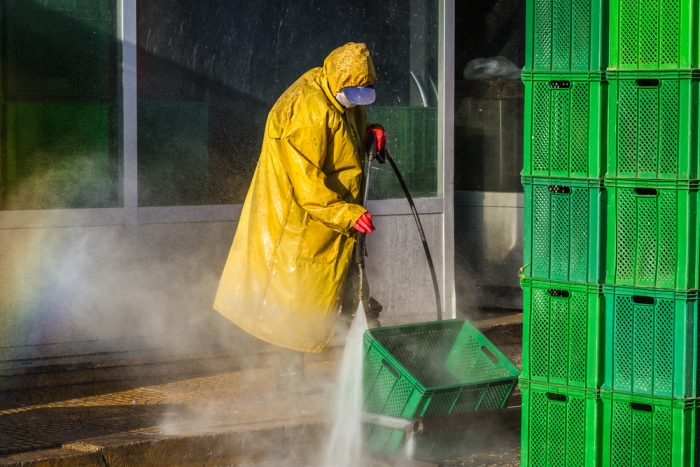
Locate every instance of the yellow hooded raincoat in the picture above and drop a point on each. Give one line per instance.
(283, 281)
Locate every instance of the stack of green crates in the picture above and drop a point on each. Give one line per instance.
(566, 96)
(649, 390)
(612, 234)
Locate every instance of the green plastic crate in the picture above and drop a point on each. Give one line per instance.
(58, 156)
(560, 426)
(648, 431)
(564, 125)
(431, 368)
(564, 225)
(54, 55)
(653, 124)
(651, 341)
(412, 141)
(562, 333)
(652, 235)
(653, 34)
(566, 35)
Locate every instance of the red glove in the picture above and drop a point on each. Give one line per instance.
(364, 224)
(377, 134)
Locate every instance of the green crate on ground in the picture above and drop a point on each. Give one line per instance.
(560, 426)
(564, 229)
(566, 35)
(564, 125)
(651, 341)
(653, 124)
(653, 34)
(431, 368)
(412, 141)
(648, 431)
(652, 237)
(58, 156)
(562, 333)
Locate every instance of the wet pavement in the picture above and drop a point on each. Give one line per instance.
(233, 418)
(503, 450)
(34, 420)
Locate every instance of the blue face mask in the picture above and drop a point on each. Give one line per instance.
(344, 100)
(364, 95)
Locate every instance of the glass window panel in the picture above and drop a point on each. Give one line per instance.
(489, 112)
(488, 144)
(209, 72)
(61, 118)
(489, 135)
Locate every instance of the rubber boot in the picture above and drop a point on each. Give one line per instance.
(351, 300)
(373, 313)
(290, 374)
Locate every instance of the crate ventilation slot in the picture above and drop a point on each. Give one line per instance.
(560, 189)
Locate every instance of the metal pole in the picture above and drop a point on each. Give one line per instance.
(129, 125)
(412, 428)
(446, 79)
(387, 421)
(410, 444)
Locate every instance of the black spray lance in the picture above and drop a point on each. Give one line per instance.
(381, 157)
(361, 237)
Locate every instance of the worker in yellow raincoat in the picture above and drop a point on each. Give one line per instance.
(284, 277)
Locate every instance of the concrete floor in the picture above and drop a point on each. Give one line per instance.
(49, 419)
(233, 418)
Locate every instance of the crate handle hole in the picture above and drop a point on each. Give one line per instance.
(559, 293)
(560, 189)
(641, 407)
(489, 354)
(560, 84)
(556, 397)
(648, 83)
(391, 369)
(643, 300)
(646, 191)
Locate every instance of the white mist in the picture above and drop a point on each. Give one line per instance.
(344, 447)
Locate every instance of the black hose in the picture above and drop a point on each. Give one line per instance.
(422, 234)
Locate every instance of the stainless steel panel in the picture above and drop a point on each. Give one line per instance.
(61, 286)
(398, 271)
(178, 214)
(488, 250)
(127, 23)
(61, 218)
(176, 277)
(489, 135)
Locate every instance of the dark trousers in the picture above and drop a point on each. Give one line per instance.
(351, 299)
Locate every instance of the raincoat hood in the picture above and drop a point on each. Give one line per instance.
(349, 65)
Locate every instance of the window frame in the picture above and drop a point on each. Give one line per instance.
(130, 215)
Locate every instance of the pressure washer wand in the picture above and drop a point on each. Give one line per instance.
(422, 234)
(361, 238)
